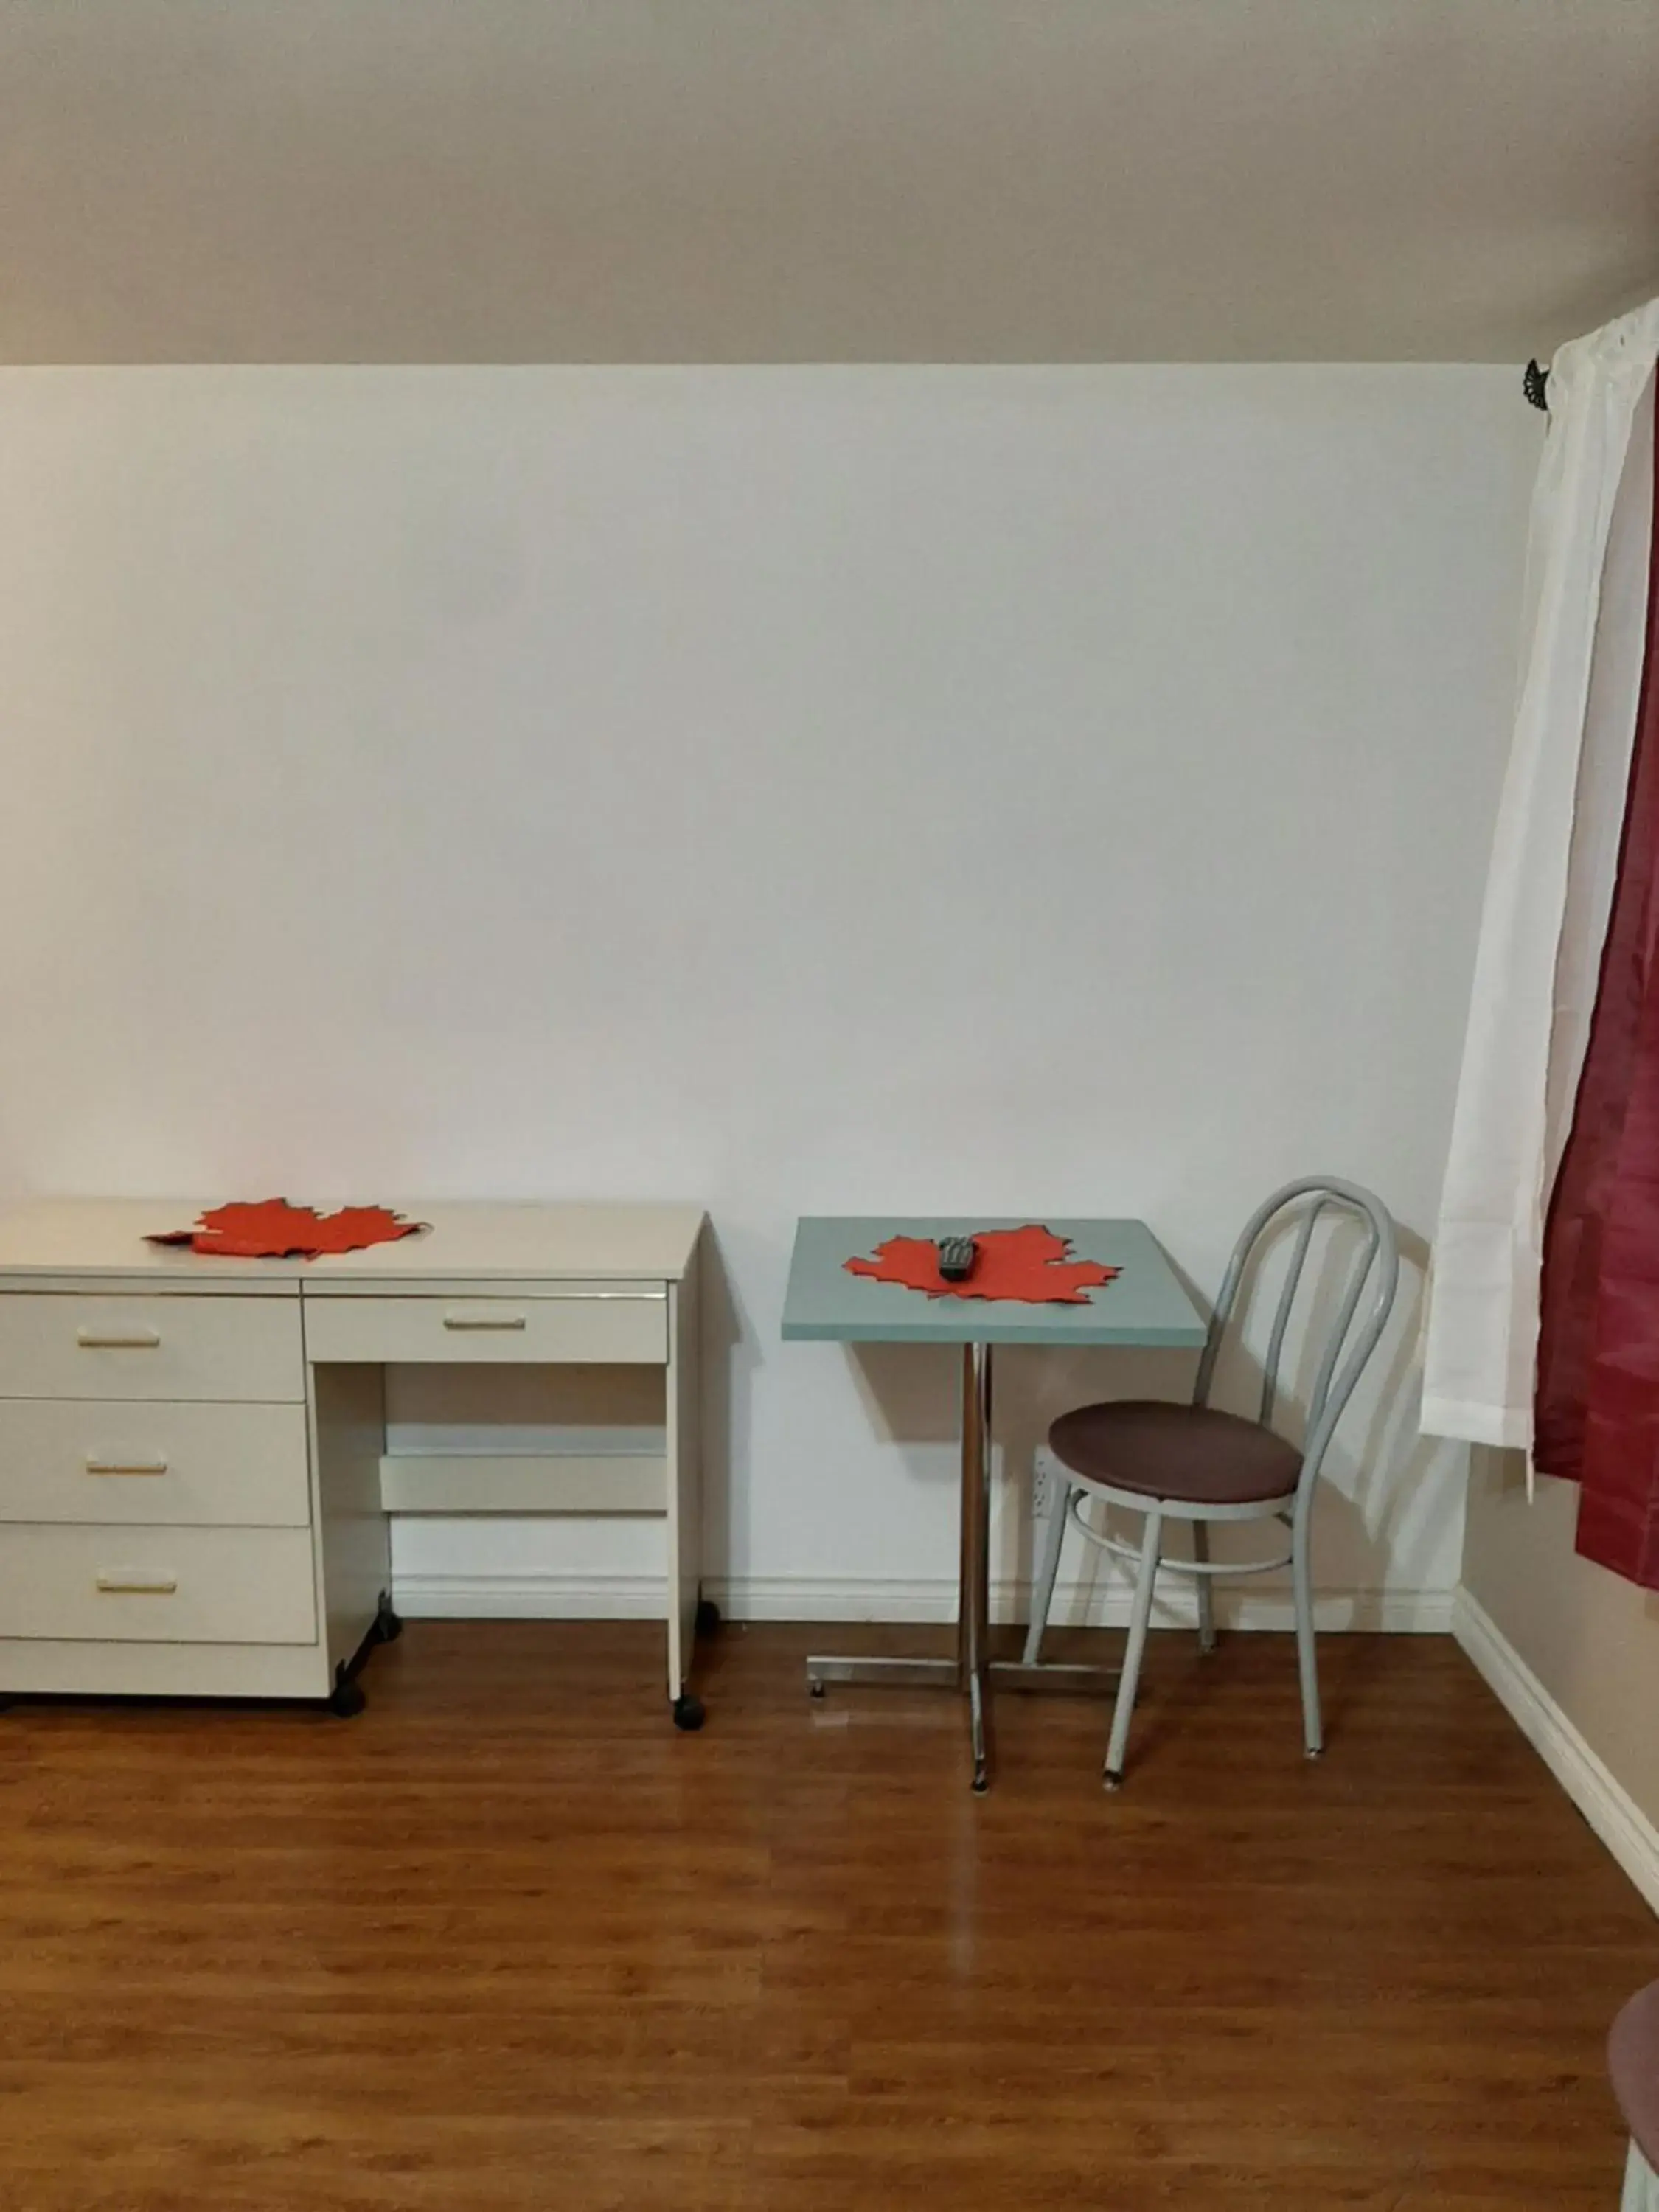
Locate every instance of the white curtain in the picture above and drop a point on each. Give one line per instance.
(1550, 878)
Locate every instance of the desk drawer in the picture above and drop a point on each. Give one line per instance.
(63, 1345)
(158, 1585)
(599, 1328)
(129, 1461)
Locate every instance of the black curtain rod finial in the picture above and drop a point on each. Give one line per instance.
(1534, 382)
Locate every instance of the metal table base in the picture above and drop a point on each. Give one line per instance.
(972, 1672)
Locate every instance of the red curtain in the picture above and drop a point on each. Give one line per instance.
(1597, 1407)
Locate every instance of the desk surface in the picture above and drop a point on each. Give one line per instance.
(1147, 1305)
(598, 1243)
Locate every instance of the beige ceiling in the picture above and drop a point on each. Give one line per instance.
(822, 180)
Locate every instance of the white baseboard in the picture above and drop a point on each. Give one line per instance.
(1077, 1604)
(529, 1597)
(810, 1597)
(1600, 1796)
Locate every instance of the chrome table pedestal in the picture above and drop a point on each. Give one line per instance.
(972, 1673)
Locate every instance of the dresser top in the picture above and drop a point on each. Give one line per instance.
(98, 1236)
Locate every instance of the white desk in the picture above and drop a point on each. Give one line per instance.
(194, 1479)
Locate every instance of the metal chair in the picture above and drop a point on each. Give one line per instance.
(1633, 2066)
(1194, 1463)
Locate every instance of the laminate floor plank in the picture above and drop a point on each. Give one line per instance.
(509, 1942)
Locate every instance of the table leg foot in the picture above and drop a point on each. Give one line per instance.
(823, 1668)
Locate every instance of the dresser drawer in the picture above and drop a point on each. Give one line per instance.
(70, 1459)
(608, 1326)
(63, 1346)
(158, 1585)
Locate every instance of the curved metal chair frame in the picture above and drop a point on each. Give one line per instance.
(1346, 1352)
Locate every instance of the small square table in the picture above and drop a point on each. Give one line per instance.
(1145, 1305)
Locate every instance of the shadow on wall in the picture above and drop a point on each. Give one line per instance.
(1376, 1469)
(1525, 1557)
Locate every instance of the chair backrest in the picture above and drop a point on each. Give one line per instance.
(1353, 1338)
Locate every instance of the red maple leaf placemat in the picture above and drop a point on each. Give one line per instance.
(271, 1228)
(1030, 1264)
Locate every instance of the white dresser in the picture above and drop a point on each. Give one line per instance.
(194, 1478)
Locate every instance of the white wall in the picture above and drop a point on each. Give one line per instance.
(804, 790)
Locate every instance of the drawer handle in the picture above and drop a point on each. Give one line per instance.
(95, 1465)
(124, 1339)
(136, 1585)
(485, 1321)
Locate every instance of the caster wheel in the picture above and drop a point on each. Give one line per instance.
(982, 1783)
(689, 1713)
(814, 1689)
(346, 1700)
(708, 1616)
(388, 1626)
(1110, 1781)
(1320, 1753)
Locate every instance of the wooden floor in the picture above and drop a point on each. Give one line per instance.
(507, 1941)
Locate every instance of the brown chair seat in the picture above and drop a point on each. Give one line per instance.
(1633, 2064)
(1191, 1453)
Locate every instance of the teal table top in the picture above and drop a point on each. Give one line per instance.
(1145, 1304)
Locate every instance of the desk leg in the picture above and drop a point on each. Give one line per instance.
(972, 1672)
(684, 1500)
(968, 1672)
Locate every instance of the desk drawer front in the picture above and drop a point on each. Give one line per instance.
(68, 1347)
(158, 1585)
(133, 1461)
(612, 1326)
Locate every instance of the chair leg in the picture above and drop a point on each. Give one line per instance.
(1053, 1536)
(1205, 1588)
(1313, 1733)
(1123, 1711)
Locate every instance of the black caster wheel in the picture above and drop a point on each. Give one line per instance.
(708, 1616)
(388, 1626)
(689, 1713)
(814, 1689)
(345, 1699)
